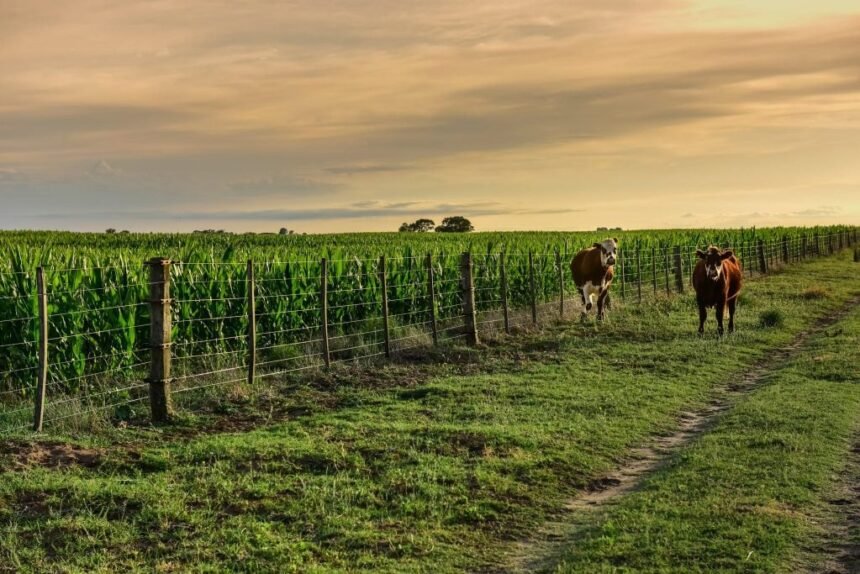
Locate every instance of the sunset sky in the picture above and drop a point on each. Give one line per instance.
(358, 115)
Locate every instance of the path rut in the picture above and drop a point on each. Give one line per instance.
(542, 550)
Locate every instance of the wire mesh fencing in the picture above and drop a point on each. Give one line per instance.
(83, 346)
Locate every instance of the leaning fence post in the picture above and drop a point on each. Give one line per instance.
(160, 399)
(324, 311)
(383, 279)
(532, 290)
(503, 276)
(467, 288)
(252, 324)
(431, 293)
(762, 260)
(638, 275)
(42, 381)
(560, 284)
(679, 270)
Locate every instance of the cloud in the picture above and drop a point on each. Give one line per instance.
(283, 185)
(368, 209)
(822, 211)
(361, 169)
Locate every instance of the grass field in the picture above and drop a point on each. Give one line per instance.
(449, 461)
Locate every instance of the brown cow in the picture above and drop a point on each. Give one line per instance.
(592, 273)
(717, 279)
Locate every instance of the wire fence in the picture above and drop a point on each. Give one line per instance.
(103, 341)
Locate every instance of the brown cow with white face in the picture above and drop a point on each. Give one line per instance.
(593, 269)
(717, 280)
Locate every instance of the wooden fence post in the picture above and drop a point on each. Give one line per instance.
(748, 258)
(324, 311)
(42, 381)
(785, 257)
(654, 269)
(804, 250)
(467, 288)
(679, 270)
(532, 289)
(762, 260)
(638, 275)
(666, 269)
(383, 279)
(503, 275)
(252, 324)
(816, 246)
(620, 256)
(560, 284)
(431, 293)
(160, 319)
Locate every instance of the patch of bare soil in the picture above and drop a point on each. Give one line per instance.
(540, 551)
(24, 455)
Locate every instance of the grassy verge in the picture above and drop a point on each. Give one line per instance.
(400, 468)
(747, 496)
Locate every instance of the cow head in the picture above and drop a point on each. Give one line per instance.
(713, 259)
(608, 249)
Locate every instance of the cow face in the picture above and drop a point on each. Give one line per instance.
(608, 251)
(713, 259)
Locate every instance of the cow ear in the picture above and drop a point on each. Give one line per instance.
(700, 254)
(597, 245)
(615, 240)
(726, 254)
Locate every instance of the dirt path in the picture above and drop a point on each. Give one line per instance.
(543, 549)
(843, 539)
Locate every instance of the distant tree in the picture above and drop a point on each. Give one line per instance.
(284, 231)
(110, 230)
(125, 231)
(418, 226)
(455, 224)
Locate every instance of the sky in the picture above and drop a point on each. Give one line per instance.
(355, 115)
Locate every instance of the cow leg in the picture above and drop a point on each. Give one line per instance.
(703, 316)
(721, 311)
(601, 303)
(608, 303)
(732, 315)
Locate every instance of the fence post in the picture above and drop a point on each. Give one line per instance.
(431, 292)
(831, 247)
(160, 319)
(621, 266)
(252, 324)
(504, 278)
(383, 279)
(638, 275)
(762, 260)
(804, 250)
(816, 245)
(654, 269)
(560, 284)
(42, 381)
(467, 288)
(532, 289)
(785, 258)
(679, 271)
(666, 269)
(324, 311)
(749, 257)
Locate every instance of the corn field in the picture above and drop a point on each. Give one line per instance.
(97, 290)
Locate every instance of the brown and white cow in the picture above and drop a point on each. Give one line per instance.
(717, 280)
(592, 273)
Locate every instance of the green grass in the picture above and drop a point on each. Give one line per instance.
(747, 496)
(395, 468)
